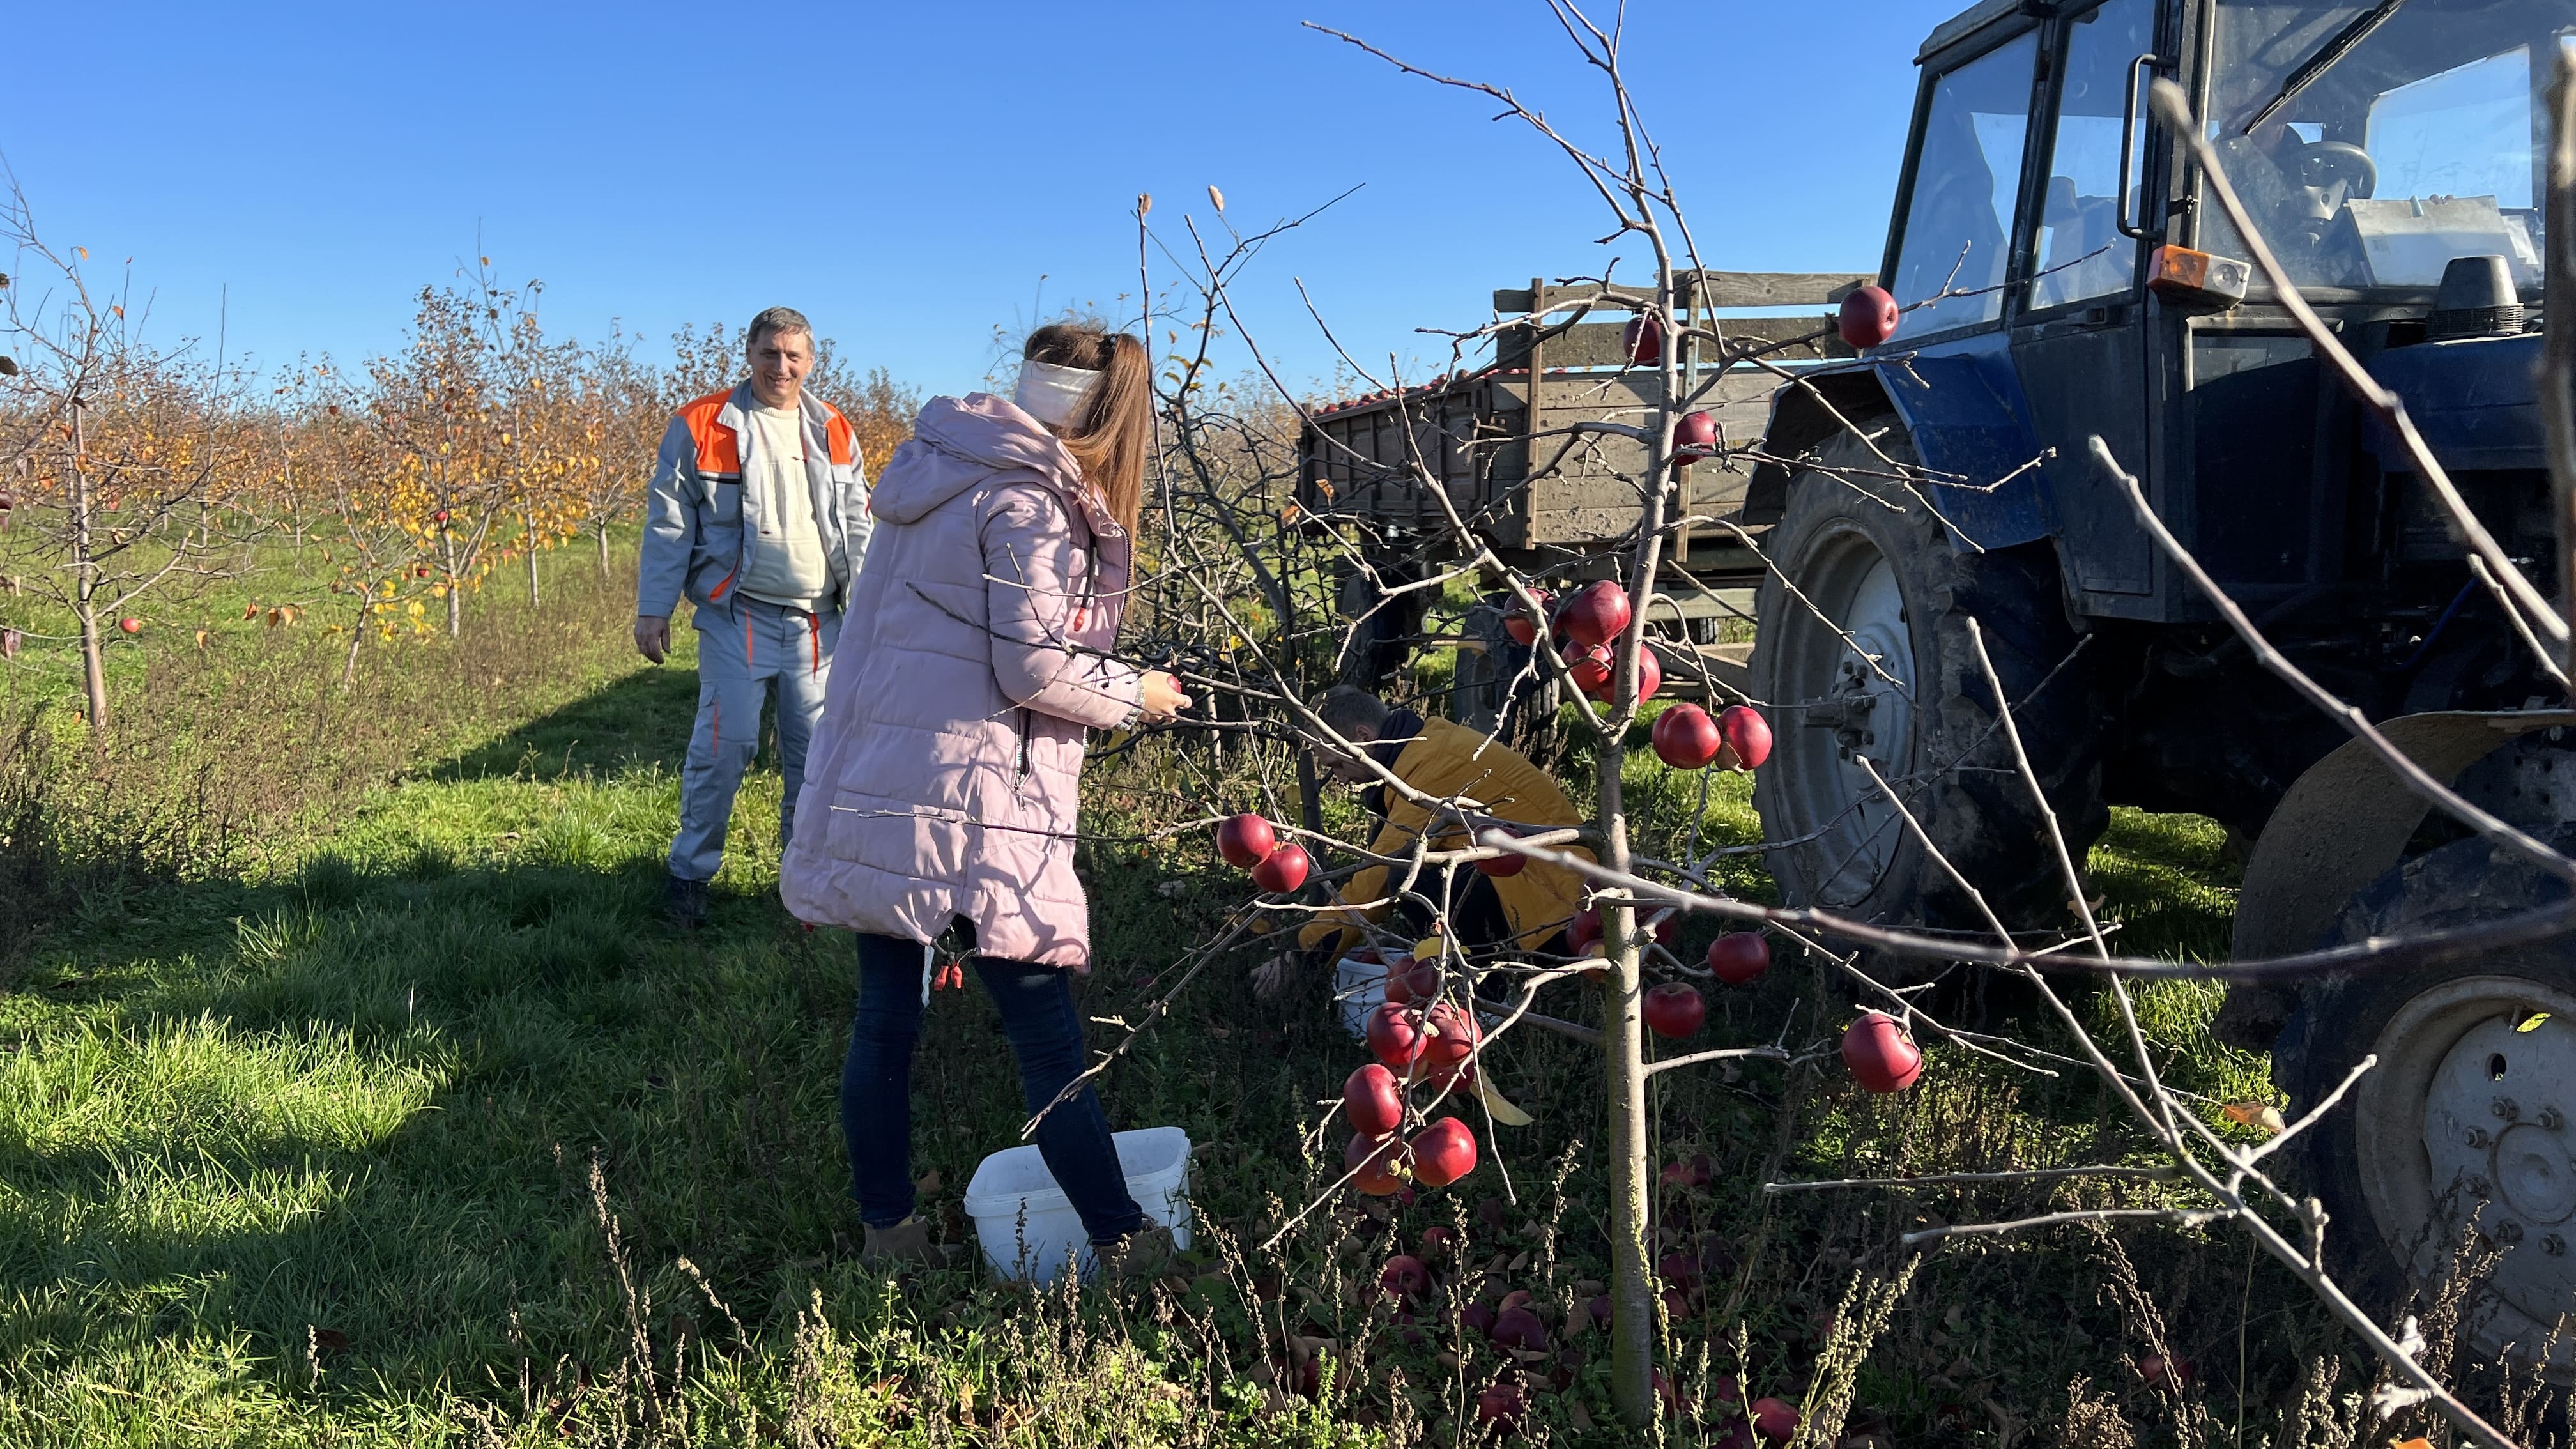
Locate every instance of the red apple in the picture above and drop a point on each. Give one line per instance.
(1590, 665)
(1435, 1240)
(1443, 1153)
(1598, 1310)
(1518, 623)
(1282, 870)
(1477, 1317)
(1667, 1391)
(1650, 677)
(1694, 436)
(1666, 924)
(130, 624)
(1739, 957)
(1643, 339)
(1409, 980)
(439, 517)
(1676, 1304)
(1503, 867)
(1517, 1327)
(1681, 1270)
(1373, 1100)
(1404, 1277)
(1395, 1035)
(1686, 738)
(1675, 1010)
(1597, 615)
(1450, 1052)
(1747, 733)
(1585, 930)
(1245, 840)
(1868, 318)
(1881, 1054)
(1377, 1164)
(1774, 1420)
(1501, 1404)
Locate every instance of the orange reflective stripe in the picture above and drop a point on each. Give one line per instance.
(838, 434)
(815, 623)
(746, 638)
(719, 451)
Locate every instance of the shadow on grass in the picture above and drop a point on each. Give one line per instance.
(641, 721)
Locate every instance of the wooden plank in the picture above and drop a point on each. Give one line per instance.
(1600, 344)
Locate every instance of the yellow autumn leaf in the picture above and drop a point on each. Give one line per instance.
(2254, 1114)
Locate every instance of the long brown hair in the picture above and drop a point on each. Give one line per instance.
(1116, 430)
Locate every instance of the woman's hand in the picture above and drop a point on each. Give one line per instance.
(1161, 697)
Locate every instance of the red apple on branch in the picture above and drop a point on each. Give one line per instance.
(1449, 1052)
(1395, 1035)
(1245, 840)
(1597, 615)
(1373, 1100)
(1518, 622)
(1881, 1054)
(1675, 1010)
(1650, 676)
(1504, 866)
(1378, 1165)
(1643, 339)
(1282, 870)
(1739, 957)
(1585, 930)
(1694, 436)
(1686, 738)
(1747, 733)
(1869, 317)
(1410, 980)
(1443, 1153)
(1590, 666)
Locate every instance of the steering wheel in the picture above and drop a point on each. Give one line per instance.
(2323, 163)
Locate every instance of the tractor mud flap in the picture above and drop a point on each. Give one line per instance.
(2341, 826)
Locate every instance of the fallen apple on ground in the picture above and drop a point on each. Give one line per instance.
(1774, 1420)
(1404, 1277)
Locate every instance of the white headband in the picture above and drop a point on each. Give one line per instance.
(1054, 395)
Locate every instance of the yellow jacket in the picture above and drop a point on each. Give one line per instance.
(1448, 762)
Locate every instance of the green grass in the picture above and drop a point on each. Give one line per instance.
(298, 1141)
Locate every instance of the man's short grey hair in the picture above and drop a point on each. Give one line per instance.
(777, 319)
(1351, 711)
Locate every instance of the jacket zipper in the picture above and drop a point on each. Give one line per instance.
(1020, 782)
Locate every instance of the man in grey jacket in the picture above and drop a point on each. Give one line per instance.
(758, 511)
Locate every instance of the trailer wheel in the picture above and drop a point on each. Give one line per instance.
(2462, 1132)
(1862, 651)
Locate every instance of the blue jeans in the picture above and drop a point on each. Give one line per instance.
(755, 652)
(1045, 1032)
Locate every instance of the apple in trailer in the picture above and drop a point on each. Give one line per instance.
(1739, 957)
(1245, 840)
(1675, 1010)
(1597, 615)
(1373, 1100)
(1881, 1054)
(1747, 733)
(1282, 870)
(1443, 1153)
(1868, 317)
(1686, 738)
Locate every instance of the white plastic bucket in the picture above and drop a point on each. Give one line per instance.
(1028, 1228)
(1359, 986)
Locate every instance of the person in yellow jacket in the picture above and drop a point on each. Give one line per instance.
(1442, 761)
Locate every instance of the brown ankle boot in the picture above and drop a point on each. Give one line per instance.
(1142, 1255)
(906, 1243)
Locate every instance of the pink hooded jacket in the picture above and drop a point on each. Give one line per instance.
(946, 774)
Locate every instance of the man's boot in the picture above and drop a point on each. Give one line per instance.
(1142, 1255)
(684, 902)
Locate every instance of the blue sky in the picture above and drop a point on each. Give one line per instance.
(906, 173)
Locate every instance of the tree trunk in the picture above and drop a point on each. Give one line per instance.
(455, 595)
(1623, 1048)
(605, 576)
(530, 543)
(85, 577)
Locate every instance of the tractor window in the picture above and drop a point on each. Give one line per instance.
(2374, 142)
(1954, 247)
(2079, 248)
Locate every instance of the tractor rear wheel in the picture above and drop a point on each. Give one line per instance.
(2463, 1135)
(1862, 653)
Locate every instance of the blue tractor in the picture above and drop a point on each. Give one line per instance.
(2067, 275)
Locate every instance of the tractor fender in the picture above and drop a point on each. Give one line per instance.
(2343, 824)
(1961, 409)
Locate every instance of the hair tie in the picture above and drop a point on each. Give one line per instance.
(1054, 395)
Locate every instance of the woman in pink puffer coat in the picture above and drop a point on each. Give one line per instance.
(942, 785)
